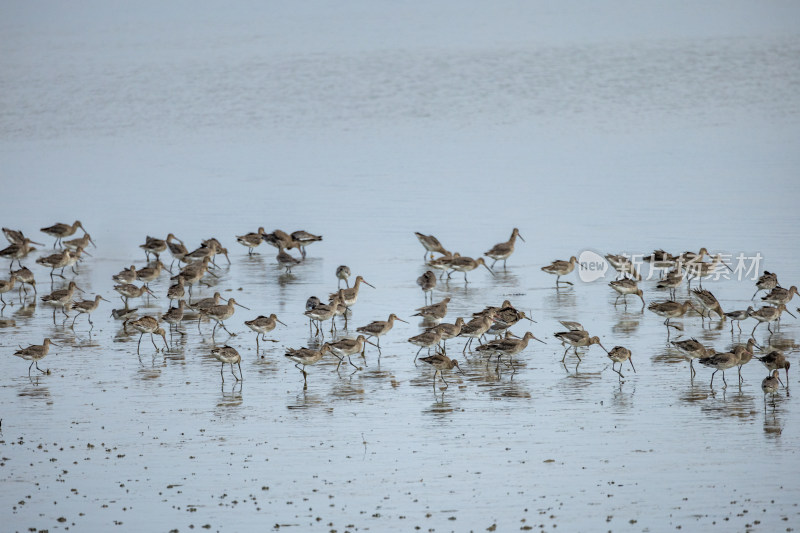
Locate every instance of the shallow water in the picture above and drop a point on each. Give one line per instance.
(214, 123)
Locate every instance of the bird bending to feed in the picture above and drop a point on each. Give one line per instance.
(286, 261)
(467, 264)
(509, 346)
(620, 354)
(670, 310)
(709, 303)
(302, 239)
(577, 339)
(692, 349)
(148, 324)
(228, 355)
(153, 245)
(775, 360)
(770, 386)
(129, 290)
(441, 362)
(442, 263)
(431, 245)
(624, 287)
(767, 282)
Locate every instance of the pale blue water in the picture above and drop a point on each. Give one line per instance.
(674, 128)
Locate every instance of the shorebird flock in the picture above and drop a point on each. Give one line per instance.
(486, 333)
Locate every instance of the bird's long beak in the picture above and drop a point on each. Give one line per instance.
(243, 307)
(372, 343)
(630, 360)
(367, 283)
(54, 344)
(489, 269)
(40, 244)
(81, 290)
(521, 237)
(401, 320)
(104, 299)
(790, 313)
(279, 322)
(603, 347)
(540, 340)
(150, 293)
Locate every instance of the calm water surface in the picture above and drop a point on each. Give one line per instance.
(612, 143)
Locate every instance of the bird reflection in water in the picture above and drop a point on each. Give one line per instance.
(233, 396)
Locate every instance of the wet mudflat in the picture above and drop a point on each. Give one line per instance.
(620, 144)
